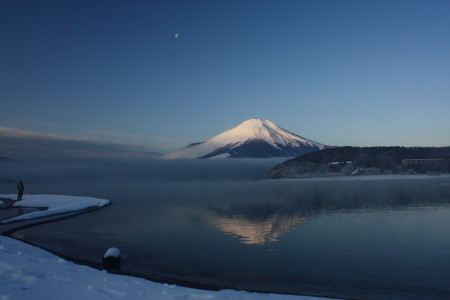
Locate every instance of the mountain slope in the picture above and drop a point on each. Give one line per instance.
(253, 138)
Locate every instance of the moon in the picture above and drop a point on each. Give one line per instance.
(176, 35)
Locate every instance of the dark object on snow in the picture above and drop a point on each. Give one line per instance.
(111, 260)
(20, 188)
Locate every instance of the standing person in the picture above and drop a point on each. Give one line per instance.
(20, 188)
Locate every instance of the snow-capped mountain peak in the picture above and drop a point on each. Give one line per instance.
(252, 138)
(258, 129)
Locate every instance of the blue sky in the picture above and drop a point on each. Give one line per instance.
(359, 73)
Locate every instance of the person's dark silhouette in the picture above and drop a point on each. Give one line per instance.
(20, 188)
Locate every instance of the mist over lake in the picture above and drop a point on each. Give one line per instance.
(69, 171)
(220, 223)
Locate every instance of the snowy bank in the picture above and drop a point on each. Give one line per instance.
(27, 272)
(55, 204)
(365, 177)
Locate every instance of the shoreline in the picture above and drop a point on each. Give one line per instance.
(115, 285)
(364, 177)
(48, 215)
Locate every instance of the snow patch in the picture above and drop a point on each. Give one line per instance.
(55, 204)
(112, 252)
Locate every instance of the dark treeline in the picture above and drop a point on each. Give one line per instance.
(365, 160)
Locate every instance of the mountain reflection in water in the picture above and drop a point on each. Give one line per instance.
(255, 222)
(257, 231)
(250, 223)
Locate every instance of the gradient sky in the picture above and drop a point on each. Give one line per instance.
(360, 73)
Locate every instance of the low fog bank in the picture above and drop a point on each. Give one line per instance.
(146, 170)
(23, 145)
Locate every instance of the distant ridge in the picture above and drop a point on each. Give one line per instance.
(347, 160)
(254, 138)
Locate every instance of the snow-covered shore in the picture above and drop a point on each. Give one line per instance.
(54, 204)
(28, 272)
(365, 177)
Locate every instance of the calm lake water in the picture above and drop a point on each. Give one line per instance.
(361, 239)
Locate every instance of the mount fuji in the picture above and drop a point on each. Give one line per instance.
(254, 138)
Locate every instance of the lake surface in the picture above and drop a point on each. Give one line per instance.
(360, 239)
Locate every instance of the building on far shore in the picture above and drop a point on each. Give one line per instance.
(420, 162)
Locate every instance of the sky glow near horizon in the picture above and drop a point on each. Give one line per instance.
(163, 74)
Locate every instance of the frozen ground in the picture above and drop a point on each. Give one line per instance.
(28, 272)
